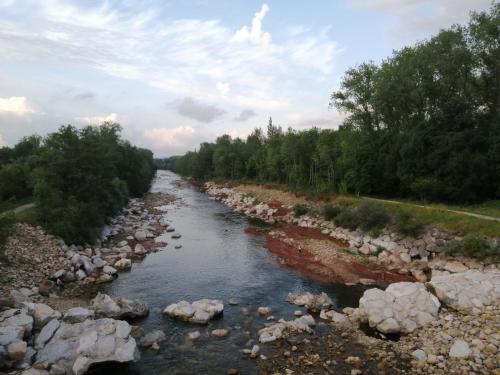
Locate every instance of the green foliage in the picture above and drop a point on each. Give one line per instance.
(6, 222)
(473, 246)
(423, 124)
(406, 225)
(299, 210)
(372, 216)
(348, 218)
(330, 212)
(85, 176)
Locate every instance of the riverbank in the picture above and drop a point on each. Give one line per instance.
(319, 249)
(231, 285)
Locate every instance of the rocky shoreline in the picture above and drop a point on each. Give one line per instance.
(445, 315)
(50, 321)
(57, 323)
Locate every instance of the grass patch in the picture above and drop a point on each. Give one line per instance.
(435, 215)
(407, 225)
(473, 246)
(330, 212)
(27, 216)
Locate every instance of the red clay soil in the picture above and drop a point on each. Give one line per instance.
(282, 211)
(346, 268)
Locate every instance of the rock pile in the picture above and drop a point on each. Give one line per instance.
(278, 330)
(34, 335)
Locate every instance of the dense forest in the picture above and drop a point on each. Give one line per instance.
(77, 177)
(424, 124)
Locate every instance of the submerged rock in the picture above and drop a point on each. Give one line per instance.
(75, 347)
(402, 307)
(313, 302)
(200, 311)
(153, 337)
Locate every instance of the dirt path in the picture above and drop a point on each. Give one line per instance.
(18, 209)
(479, 216)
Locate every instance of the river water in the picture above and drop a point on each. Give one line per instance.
(217, 260)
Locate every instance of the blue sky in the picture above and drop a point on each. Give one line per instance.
(175, 73)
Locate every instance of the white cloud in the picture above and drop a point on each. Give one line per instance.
(164, 137)
(254, 34)
(98, 120)
(17, 105)
(415, 18)
(184, 57)
(222, 87)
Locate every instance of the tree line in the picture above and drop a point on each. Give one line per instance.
(77, 177)
(424, 124)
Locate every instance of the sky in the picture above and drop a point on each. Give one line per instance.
(177, 73)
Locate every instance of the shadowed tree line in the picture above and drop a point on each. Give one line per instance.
(78, 177)
(424, 123)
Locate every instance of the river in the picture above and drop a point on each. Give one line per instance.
(217, 260)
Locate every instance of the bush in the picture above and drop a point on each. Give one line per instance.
(348, 218)
(330, 211)
(407, 226)
(6, 222)
(299, 210)
(372, 216)
(473, 246)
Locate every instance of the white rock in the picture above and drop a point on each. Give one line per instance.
(468, 292)
(460, 349)
(310, 301)
(123, 264)
(200, 311)
(75, 347)
(194, 335)
(419, 355)
(402, 307)
(262, 310)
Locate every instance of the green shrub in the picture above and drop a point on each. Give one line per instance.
(372, 216)
(473, 246)
(407, 226)
(330, 211)
(6, 222)
(299, 210)
(348, 218)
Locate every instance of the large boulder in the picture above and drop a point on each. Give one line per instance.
(468, 291)
(120, 308)
(200, 311)
(402, 307)
(75, 347)
(313, 302)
